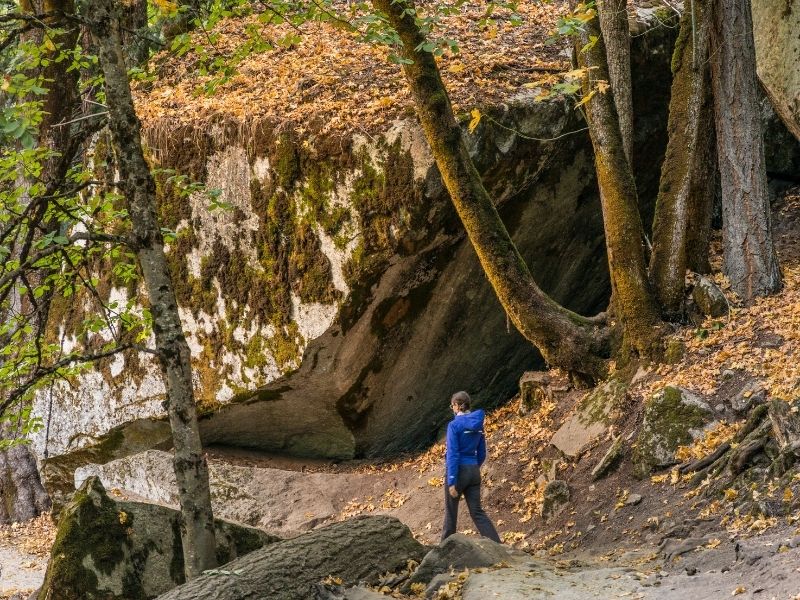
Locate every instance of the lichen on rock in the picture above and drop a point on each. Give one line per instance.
(109, 550)
(672, 418)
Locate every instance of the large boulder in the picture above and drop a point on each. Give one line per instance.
(106, 549)
(361, 549)
(775, 24)
(672, 418)
(337, 305)
(286, 502)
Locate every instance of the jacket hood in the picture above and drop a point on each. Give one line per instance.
(473, 420)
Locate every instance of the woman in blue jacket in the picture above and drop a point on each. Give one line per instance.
(466, 451)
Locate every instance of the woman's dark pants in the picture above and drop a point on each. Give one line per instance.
(468, 484)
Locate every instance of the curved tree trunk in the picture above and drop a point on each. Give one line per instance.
(749, 261)
(191, 470)
(564, 338)
(687, 174)
(633, 299)
(617, 36)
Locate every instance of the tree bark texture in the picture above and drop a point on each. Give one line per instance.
(22, 496)
(701, 207)
(634, 302)
(361, 549)
(687, 175)
(749, 259)
(191, 469)
(617, 37)
(564, 338)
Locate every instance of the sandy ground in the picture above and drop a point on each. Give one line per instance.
(19, 571)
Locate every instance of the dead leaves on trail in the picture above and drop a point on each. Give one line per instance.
(34, 537)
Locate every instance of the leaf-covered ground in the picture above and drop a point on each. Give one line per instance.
(334, 81)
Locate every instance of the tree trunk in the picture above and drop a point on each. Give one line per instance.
(749, 255)
(701, 206)
(564, 338)
(617, 36)
(22, 496)
(191, 470)
(633, 299)
(687, 177)
(360, 549)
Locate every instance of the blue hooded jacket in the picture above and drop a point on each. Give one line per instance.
(466, 444)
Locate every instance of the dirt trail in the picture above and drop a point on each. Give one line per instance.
(19, 571)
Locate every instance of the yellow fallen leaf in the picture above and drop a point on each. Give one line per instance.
(476, 118)
(739, 590)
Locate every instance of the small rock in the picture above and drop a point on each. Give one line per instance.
(728, 374)
(556, 497)
(709, 298)
(795, 542)
(769, 340)
(534, 389)
(609, 461)
(675, 351)
(437, 582)
(749, 396)
(633, 499)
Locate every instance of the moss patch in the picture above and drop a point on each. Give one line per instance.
(91, 532)
(668, 420)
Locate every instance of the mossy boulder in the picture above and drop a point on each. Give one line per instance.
(672, 418)
(556, 498)
(709, 298)
(109, 550)
(595, 413)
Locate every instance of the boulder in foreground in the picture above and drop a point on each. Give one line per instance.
(126, 550)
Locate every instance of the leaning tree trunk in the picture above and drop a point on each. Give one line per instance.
(687, 174)
(617, 36)
(564, 338)
(633, 299)
(749, 258)
(191, 469)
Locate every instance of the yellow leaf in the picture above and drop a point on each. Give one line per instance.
(788, 495)
(476, 118)
(713, 543)
(456, 68)
(586, 98)
(739, 590)
(730, 494)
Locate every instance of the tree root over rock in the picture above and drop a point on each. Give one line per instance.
(770, 436)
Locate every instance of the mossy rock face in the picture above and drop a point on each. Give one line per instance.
(671, 419)
(595, 413)
(108, 550)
